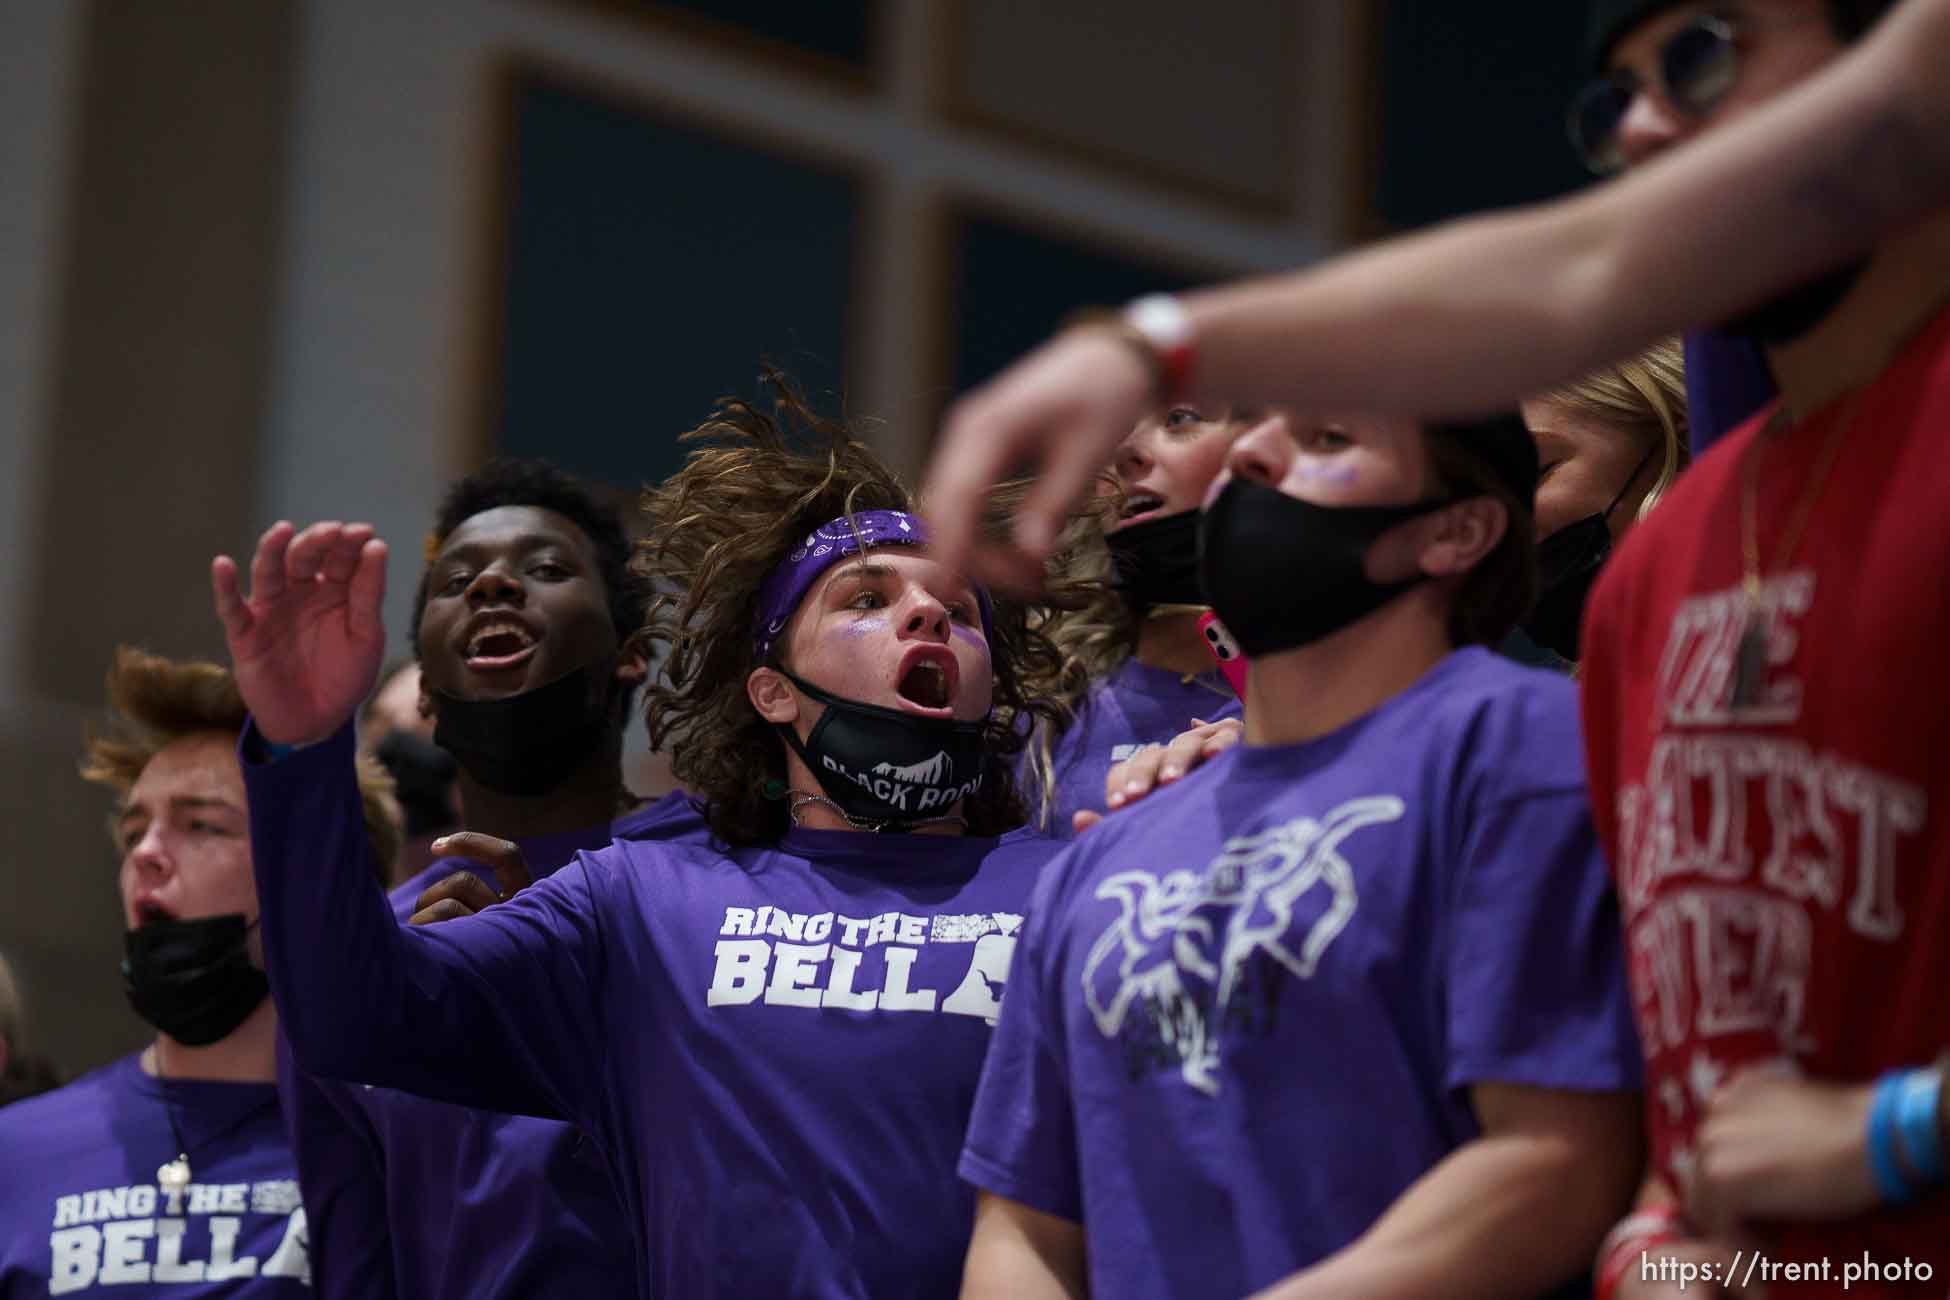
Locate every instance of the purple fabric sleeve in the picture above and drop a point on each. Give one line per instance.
(496, 1010)
(1727, 380)
(340, 1178)
(1022, 1140)
(1535, 963)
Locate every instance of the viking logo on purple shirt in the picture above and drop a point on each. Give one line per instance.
(1181, 948)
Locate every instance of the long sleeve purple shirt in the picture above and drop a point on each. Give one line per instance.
(393, 1181)
(775, 1049)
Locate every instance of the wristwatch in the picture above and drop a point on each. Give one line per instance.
(1158, 330)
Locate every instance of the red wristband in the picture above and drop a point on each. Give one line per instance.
(1627, 1243)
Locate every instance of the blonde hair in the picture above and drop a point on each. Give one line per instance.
(1645, 396)
(154, 702)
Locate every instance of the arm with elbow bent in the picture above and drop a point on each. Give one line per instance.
(494, 1011)
(1513, 1212)
(1483, 311)
(1022, 1254)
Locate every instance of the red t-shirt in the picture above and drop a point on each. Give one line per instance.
(1784, 864)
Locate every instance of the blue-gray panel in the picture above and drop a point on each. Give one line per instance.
(652, 265)
(1015, 286)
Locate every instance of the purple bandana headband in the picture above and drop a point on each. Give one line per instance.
(824, 547)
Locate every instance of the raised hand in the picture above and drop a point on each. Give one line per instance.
(464, 893)
(306, 644)
(1062, 411)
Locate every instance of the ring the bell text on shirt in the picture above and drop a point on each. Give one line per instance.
(860, 963)
(142, 1234)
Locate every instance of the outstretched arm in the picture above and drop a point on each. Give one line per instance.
(496, 1011)
(1484, 311)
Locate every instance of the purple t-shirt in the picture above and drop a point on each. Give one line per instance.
(417, 1198)
(81, 1212)
(775, 1049)
(1246, 1012)
(1134, 706)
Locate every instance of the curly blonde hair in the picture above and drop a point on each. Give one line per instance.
(154, 702)
(716, 529)
(1646, 397)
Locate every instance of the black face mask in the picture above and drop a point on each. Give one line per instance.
(1282, 573)
(525, 744)
(193, 980)
(1567, 564)
(884, 766)
(1156, 562)
(1787, 316)
(423, 779)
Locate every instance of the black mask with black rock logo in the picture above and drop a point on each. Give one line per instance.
(1156, 562)
(423, 779)
(885, 767)
(193, 980)
(1281, 573)
(1568, 562)
(525, 744)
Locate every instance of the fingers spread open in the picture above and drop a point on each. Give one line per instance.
(338, 560)
(231, 609)
(308, 550)
(267, 566)
(366, 596)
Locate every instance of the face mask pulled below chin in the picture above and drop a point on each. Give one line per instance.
(525, 744)
(1156, 562)
(884, 766)
(193, 980)
(1282, 573)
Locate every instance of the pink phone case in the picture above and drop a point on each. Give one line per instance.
(1224, 650)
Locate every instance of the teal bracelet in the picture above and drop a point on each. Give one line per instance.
(1915, 1123)
(1883, 1160)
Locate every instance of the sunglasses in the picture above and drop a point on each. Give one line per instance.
(1698, 65)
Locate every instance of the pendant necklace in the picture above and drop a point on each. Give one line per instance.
(1750, 659)
(173, 1176)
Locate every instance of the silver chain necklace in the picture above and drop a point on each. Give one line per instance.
(799, 799)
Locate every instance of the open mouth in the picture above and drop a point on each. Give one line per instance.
(149, 910)
(928, 684)
(1137, 504)
(498, 644)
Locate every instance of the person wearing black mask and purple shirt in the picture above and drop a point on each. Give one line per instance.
(1140, 670)
(167, 1173)
(1343, 1012)
(774, 1037)
(520, 632)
